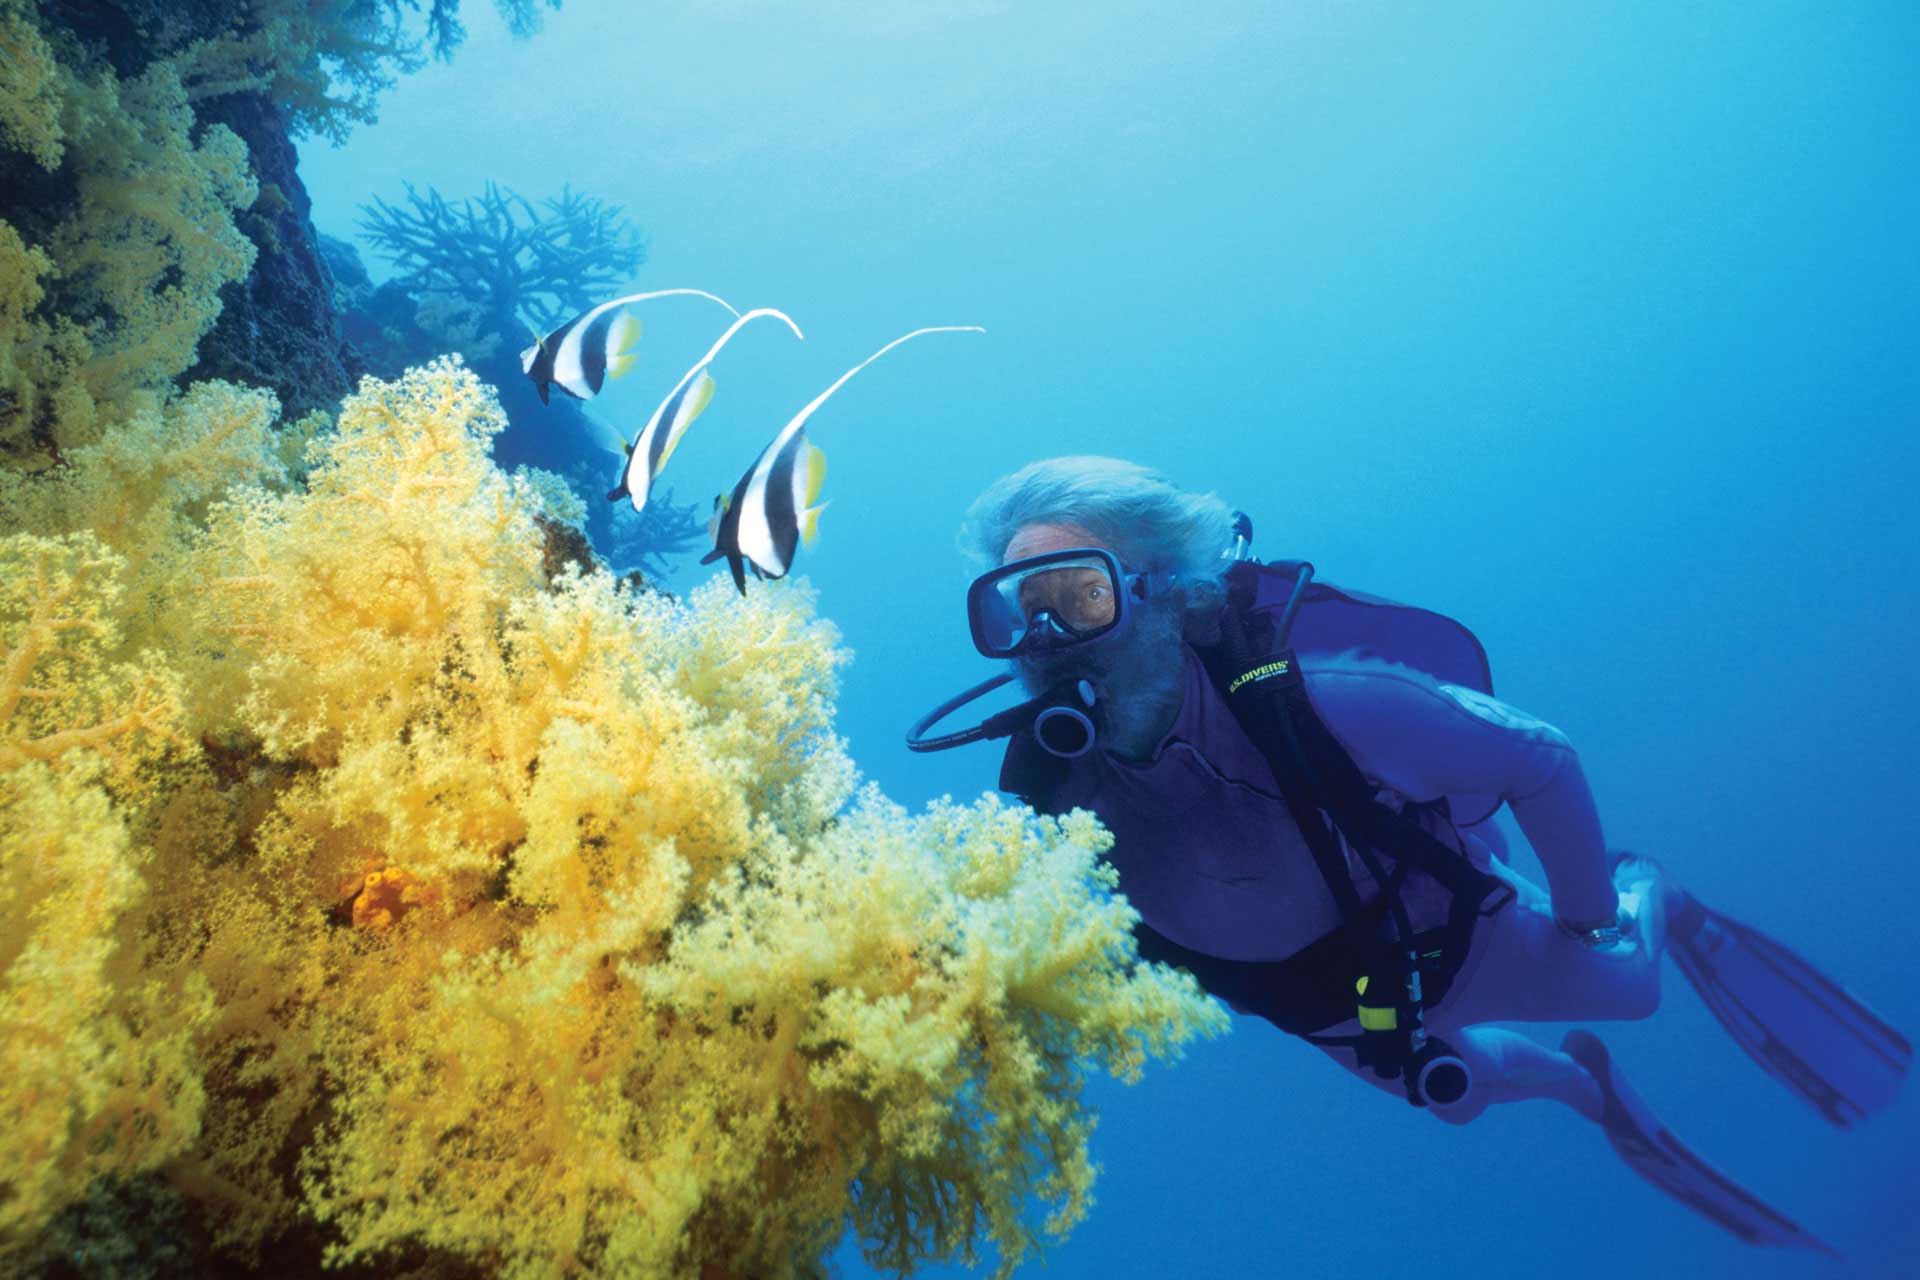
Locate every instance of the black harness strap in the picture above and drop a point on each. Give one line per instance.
(1266, 691)
(1325, 793)
(1297, 785)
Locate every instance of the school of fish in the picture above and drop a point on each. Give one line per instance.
(774, 508)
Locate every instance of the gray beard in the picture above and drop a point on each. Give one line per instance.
(1140, 674)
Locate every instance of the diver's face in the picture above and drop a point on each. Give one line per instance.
(1073, 594)
(1139, 669)
(1078, 595)
(1082, 598)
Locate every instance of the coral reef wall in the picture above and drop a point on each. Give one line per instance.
(116, 237)
(148, 187)
(277, 326)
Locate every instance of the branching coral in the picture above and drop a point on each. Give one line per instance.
(97, 1077)
(481, 270)
(327, 61)
(29, 93)
(536, 931)
(118, 229)
(500, 254)
(101, 308)
(645, 541)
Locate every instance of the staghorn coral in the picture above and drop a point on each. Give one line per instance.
(393, 326)
(647, 540)
(518, 923)
(503, 258)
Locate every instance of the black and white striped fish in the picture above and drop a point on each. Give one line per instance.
(773, 509)
(676, 413)
(595, 345)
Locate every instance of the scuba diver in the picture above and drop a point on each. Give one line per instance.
(1300, 782)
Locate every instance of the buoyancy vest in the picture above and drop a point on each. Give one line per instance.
(1327, 798)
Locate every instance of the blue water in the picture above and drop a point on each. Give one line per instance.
(1594, 326)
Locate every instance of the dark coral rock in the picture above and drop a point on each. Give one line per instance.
(639, 584)
(564, 545)
(143, 1228)
(379, 325)
(139, 1229)
(277, 327)
(350, 276)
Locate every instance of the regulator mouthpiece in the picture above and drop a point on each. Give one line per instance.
(1064, 729)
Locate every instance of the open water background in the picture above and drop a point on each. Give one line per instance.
(1593, 325)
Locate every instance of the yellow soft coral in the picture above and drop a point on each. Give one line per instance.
(58, 690)
(97, 1078)
(154, 238)
(539, 930)
(97, 1075)
(103, 304)
(144, 490)
(29, 92)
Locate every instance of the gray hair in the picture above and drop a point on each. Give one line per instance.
(1149, 524)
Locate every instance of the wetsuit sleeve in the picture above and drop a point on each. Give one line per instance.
(1426, 739)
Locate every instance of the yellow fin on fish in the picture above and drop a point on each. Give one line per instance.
(622, 334)
(816, 464)
(810, 523)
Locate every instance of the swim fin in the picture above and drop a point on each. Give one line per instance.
(1801, 1026)
(1656, 1155)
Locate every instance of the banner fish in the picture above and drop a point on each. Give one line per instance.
(595, 345)
(773, 509)
(676, 413)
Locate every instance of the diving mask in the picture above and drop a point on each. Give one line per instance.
(1054, 601)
